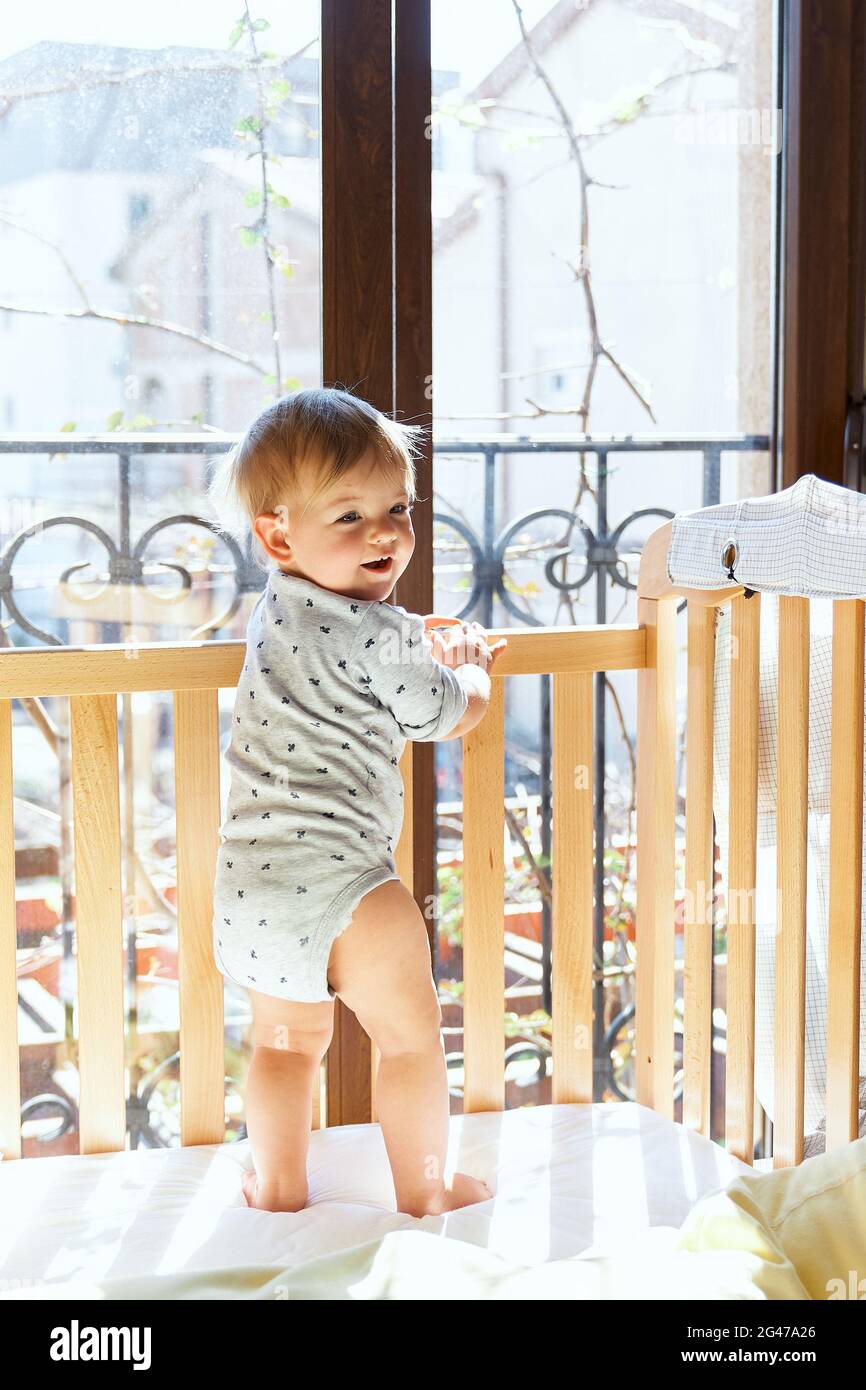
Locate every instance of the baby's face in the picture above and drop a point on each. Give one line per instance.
(366, 514)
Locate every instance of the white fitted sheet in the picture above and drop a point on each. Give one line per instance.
(566, 1178)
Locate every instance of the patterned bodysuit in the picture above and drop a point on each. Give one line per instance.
(332, 687)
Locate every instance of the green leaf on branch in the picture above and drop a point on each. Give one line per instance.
(252, 197)
(467, 113)
(249, 236)
(629, 111)
(113, 421)
(236, 33)
(70, 425)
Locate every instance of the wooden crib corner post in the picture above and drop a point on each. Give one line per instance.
(846, 848)
(699, 894)
(792, 793)
(742, 866)
(656, 790)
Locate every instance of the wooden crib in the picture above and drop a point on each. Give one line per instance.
(92, 678)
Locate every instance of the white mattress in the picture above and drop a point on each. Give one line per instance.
(566, 1178)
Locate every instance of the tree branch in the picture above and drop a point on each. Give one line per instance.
(8, 100)
(141, 321)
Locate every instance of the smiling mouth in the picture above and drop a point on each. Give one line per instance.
(380, 566)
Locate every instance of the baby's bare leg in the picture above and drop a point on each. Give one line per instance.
(290, 1041)
(380, 968)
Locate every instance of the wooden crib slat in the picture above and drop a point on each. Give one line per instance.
(10, 1091)
(483, 897)
(742, 861)
(792, 762)
(99, 922)
(656, 790)
(202, 1032)
(572, 889)
(846, 847)
(698, 900)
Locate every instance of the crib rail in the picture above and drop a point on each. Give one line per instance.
(92, 677)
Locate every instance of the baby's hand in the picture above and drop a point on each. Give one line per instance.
(479, 652)
(447, 641)
(463, 643)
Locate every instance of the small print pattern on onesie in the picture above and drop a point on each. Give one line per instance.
(331, 689)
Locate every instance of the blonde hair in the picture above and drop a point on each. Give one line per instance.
(327, 429)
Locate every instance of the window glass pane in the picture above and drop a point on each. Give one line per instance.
(160, 269)
(604, 183)
(160, 274)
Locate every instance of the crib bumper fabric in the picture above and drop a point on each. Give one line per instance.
(808, 540)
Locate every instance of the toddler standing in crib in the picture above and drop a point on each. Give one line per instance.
(308, 905)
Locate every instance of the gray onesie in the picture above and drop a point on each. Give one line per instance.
(332, 687)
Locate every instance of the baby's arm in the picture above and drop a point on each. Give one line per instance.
(476, 683)
(393, 660)
(464, 648)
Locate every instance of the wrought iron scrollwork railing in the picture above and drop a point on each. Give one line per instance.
(593, 547)
(126, 560)
(577, 549)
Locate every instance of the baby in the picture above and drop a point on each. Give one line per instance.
(308, 904)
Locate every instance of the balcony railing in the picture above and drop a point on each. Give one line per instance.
(591, 548)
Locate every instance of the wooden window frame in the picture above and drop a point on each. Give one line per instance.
(821, 268)
(377, 337)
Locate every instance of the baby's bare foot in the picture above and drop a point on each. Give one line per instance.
(264, 1200)
(462, 1191)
